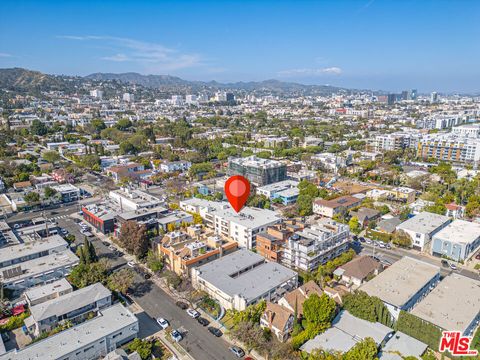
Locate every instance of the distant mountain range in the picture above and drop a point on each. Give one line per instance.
(23, 80)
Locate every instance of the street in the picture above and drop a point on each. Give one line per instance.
(198, 341)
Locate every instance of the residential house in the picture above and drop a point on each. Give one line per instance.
(330, 208)
(358, 270)
(278, 319)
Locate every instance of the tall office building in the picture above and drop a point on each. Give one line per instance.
(433, 97)
(414, 94)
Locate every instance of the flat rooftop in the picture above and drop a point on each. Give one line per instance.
(401, 281)
(39, 292)
(55, 347)
(459, 232)
(249, 217)
(452, 305)
(279, 186)
(256, 162)
(424, 223)
(27, 249)
(263, 276)
(38, 266)
(70, 302)
(345, 332)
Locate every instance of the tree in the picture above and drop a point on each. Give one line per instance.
(133, 238)
(98, 125)
(51, 156)
(49, 192)
(364, 350)
(354, 225)
(319, 310)
(123, 124)
(154, 262)
(87, 274)
(38, 128)
(32, 198)
(366, 307)
(142, 347)
(307, 194)
(401, 238)
(120, 280)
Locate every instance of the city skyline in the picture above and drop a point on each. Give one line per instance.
(370, 44)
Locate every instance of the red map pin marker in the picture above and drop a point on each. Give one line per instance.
(237, 189)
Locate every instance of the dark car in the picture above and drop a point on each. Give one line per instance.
(182, 305)
(215, 331)
(477, 256)
(202, 321)
(146, 276)
(445, 263)
(362, 239)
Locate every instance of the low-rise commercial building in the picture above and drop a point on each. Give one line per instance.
(243, 278)
(458, 241)
(286, 191)
(403, 284)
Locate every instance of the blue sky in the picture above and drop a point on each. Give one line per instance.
(374, 44)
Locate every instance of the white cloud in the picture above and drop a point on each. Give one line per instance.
(310, 72)
(153, 56)
(4, 55)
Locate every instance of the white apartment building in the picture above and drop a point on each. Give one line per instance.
(395, 141)
(93, 339)
(471, 131)
(171, 166)
(243, 227)
(422, 227)
(333, 162)
(314, 246)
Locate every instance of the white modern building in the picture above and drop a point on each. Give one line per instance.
(422, 227)
(287, 191)
(90, 340)
(458, 241)
(243, 278)
(74, 306)
(131, 199)
(313, 246)
(242, 227)
(127, 97)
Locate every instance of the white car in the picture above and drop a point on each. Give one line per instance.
(163, 323)
(176, 335)
(131, 264)
(453, 266)
(193, 313)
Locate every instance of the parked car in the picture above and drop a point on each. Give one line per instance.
(477, 256)
(238, 351)
(147, 276)
(388, 246)
(182, 305)
(176, 335)
(362, 239)
(215, 331)
(368, 241)
(453, 266)
(193, 313)
(445, 263)
(131, 264)
(202, 321)
(163, 323)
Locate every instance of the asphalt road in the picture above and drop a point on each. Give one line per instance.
(198, 341)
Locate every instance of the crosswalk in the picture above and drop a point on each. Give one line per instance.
(58, 217)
